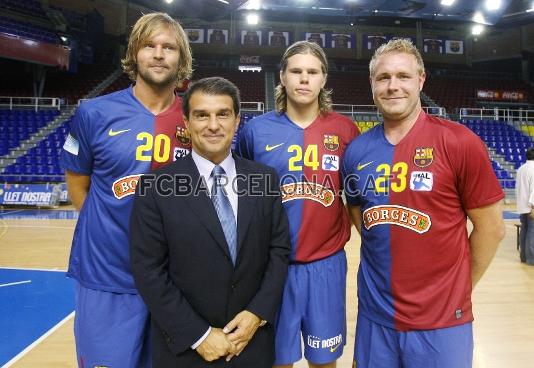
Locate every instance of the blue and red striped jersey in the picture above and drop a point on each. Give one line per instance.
(114, 139)
(415, 271)
(308, 163)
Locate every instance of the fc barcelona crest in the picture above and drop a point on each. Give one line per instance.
(331, 142)
(183, 136)
(424, 156)
(193, 35)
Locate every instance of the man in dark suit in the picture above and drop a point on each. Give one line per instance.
(210, 245)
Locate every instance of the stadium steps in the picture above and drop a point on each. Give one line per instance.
(428, 101)
(41, 134)
(508, 192)
(506, 165)
(35, 138)
(269, 91)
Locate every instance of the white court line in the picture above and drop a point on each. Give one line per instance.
(16, 283)
(32, 269)
(10, 212)
(38, 341)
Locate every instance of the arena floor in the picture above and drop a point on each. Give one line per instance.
(36, 318)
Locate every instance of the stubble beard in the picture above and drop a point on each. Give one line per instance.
(147, 77)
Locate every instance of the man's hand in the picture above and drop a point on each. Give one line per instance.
(240, 330)
(531, 213)
(216, 345)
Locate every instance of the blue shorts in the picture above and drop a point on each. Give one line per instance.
(378, 346)
(111, 329)
(314, 303)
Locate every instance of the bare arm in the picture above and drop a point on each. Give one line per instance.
(356, 217)
(488, 231)
(78, 187)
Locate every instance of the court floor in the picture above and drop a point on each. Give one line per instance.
(36, 299)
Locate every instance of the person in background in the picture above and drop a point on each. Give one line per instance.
(525, 202)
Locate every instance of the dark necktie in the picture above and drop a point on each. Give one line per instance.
(224, 210)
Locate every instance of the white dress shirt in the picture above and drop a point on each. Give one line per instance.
(524, 187)
(205, 167)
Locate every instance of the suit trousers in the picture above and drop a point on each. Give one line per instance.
(526, 239)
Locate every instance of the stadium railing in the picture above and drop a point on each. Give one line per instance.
(31, 102)
(497, 113)
(371, 111)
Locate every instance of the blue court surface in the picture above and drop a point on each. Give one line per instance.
(508, 215)
(31, 303)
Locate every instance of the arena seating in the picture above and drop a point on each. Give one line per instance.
(68, 86)
(350, 88)
(41, 163)
(506, 141)
(453, 92)
(26, 7)
(27, 30)
(251, 84)
(366, 125)
(120, 83)
(17, 125)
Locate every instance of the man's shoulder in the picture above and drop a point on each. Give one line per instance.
(261, 119)
(448, 125)
(454, 133)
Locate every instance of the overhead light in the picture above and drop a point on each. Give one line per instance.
(169, 1)
(224, 1)
(447, 2)
(493, 5)
(249, 68)
(253, 5)
(63, 38)
(477, 29)
(253, 18)
(479, 18)
(351, 24)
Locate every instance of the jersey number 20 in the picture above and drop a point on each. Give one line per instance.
(161, 144)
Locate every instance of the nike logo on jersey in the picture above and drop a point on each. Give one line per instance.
(111, 133)
(361, 167)
(270, 148)
(334, 348)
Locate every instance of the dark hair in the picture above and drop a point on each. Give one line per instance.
(530, 154)
(216, 86)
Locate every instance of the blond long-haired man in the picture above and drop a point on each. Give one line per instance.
(114, 139)
(304, 140)
(411, 184)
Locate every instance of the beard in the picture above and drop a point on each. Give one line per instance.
(158, 80)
